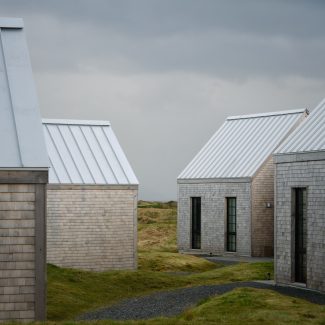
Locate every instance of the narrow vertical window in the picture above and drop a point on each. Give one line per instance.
(196, 222)
(231, 224)
(301, 235)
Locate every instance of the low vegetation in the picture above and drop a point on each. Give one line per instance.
(157, 241)
(72, 292)
(243, 306)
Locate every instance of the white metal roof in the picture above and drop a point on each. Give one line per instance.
(241, 145)
(85, 153)
(22, 143)
(309, 136)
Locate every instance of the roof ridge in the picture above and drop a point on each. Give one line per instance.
(293, 111)
(74, 122)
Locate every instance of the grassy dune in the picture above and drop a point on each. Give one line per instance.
(243, 306)
(72, 292)
(157, 241)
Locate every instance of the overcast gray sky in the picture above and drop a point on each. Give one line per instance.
(166, 74)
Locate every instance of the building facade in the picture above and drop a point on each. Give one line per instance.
(300, 205)
(91, 198)
(226, 194)
(23, 177)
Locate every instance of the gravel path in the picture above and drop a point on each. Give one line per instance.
(221, 262)
(174, 302)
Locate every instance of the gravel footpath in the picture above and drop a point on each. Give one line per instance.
(216, 261)
(221, 262)
(174, 302)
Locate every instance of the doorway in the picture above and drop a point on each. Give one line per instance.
(196, 223)
(301, 235)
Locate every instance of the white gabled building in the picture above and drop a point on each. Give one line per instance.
(23, 176)
(91, 198)
(300, 205)
(226, 193)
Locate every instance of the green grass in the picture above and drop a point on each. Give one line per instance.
(173, 262)
(71, 292)
(157, 241)
(244, 306)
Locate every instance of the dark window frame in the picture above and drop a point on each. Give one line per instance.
(231, 226)
(196, 222)
(300, 235)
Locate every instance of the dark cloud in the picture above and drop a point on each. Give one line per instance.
(154, 18)
(230, 39)
(166, 73)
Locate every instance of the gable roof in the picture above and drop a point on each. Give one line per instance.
(309, 136)
(241, 145)
(22, 143)
(85, 152)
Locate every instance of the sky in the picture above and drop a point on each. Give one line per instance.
(167, 73)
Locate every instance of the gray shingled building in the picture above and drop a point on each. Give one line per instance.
(300, 204)
(226, 193)
(23, 176)
(91, 198)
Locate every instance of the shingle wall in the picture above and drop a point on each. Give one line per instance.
(263, 217)
(213, 219)
(92, 230)
(17, 252)
(309, 174)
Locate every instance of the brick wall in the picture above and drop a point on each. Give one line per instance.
(17, 252)
(263, 217)
(92, 230)
(213, 219)
(310, 174)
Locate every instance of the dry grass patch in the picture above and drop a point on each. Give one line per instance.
(157, 241)
(173, 262)
(157, 237)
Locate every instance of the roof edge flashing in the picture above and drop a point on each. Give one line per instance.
(6, 22)
(297, 152)
(215, 180)
(25, 168)
(298, 157)
(294, 111)
(75, 122)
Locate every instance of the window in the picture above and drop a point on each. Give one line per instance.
(301, 235)
(231, 224)
(196, 222)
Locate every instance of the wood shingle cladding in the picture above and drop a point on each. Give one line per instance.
(235, 163)
(299, 205)
(92, 229)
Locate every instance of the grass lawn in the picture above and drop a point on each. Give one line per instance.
(157, 241)
(72, 292)
(243, 306)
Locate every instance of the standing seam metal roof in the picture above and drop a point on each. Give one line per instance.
(22, 143)
(85, 152)
(309, 136)
(241, 145)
